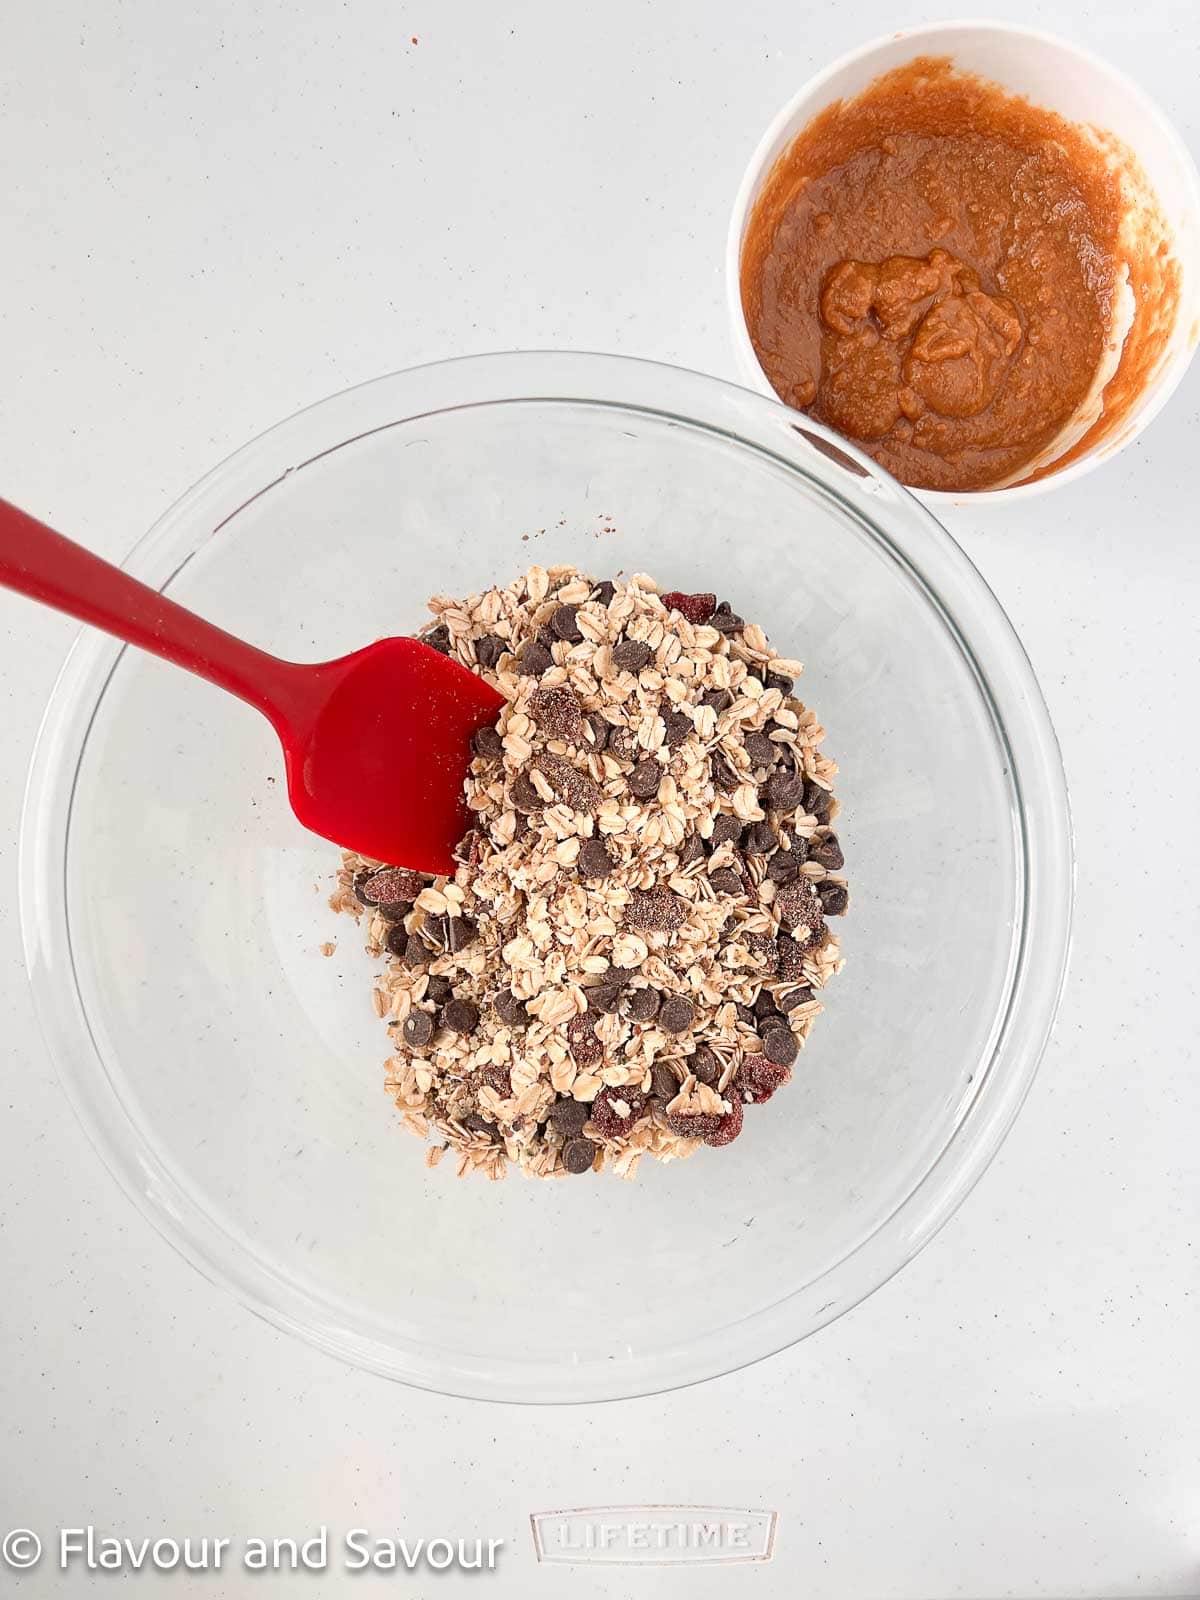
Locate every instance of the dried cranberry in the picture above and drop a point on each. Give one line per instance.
(656, 910)
(697, 608)
(759, 1078)
(391, 884)
(558, 714)
(614, 1111)
(730, 1126)
(498, 1079)
(585, 1046)
(799, 909)
(694, 1124)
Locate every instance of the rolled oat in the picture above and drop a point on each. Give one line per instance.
(630, 950)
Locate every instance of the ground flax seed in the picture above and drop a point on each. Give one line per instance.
(630, 952)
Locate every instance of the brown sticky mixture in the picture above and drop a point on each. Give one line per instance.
(618, 966)
(943, 272)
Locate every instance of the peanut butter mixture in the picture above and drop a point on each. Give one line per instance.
(933, 269)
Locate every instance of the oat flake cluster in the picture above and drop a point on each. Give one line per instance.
(629, 953)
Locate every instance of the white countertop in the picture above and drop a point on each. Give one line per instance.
(214, 215)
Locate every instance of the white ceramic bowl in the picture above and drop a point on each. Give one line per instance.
(1059, 77)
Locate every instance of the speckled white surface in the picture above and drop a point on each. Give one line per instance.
(214, 215)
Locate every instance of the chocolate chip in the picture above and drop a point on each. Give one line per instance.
(726, 620)
(489, 649)
(664, 1085)
(705, 1065)
(438, 639)
(520, 825)
(677, 725)
(777, 680)
(604, 998)
(745, 1014)
(547, 638)
(723, 775)
(510, 1010)
(566, 625)
(644, 1004)
(782, 867)
(719, 699)
(488, 744)
(760, 749)
(578, 1155)
(726, 830)
(594, 859)
(645, 778)
(835, 898)
(605, 593)
(461, 1016)
(573, 787)
(557, 713)
(395, 910)
(657, 910)
(390, 884)
(631, 655)
(475, 1123)
(524, 795)
(398, 941)
(622, 743)
(438, 989)
(783, 791)
(460, 932)
(779, 1046)
(760, 839)
(798, 849)
(534, 659)
(817, 801)
(764, 1004)
(770, 1019)
(599, 729)
(797, 997)
(416, 952)
(568, 1116)
(677, 1015)
(435, 930)
(727, 881)
(418, 1028)
(827, 852)
(359, 886)
(692, 850)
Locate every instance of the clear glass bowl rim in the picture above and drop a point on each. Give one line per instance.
(967, 609)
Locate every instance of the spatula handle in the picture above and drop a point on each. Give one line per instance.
(46, 566)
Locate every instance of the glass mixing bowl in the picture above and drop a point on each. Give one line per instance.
(232, 1076)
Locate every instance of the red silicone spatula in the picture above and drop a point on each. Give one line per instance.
(376, 744)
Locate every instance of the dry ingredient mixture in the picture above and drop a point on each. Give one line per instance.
(932, 269)
(631, 950)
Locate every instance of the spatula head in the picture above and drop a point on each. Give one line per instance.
(378, 761)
